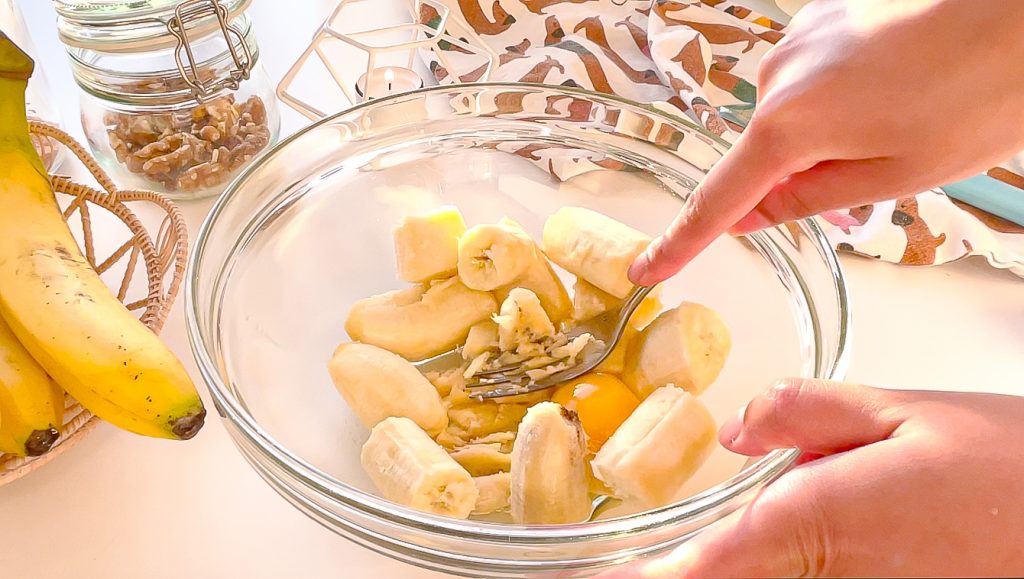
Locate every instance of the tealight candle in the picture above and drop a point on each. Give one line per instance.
(389, 80)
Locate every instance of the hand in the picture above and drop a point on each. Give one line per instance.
(862, 101)
(922, 484)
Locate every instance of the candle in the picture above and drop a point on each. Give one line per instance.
(380, 82)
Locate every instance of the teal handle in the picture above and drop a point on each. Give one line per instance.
(991, 195)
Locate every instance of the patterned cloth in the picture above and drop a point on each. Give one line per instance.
(694, 56)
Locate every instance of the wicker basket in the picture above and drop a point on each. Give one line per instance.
(162, 257)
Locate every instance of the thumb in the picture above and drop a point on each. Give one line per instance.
(816, 416)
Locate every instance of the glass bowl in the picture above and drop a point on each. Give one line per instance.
(306, 230)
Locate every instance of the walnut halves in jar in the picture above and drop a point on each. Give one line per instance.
(190, 150)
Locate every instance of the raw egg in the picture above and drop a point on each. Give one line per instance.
(602, 402)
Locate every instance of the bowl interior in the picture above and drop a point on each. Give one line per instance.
(307, 232)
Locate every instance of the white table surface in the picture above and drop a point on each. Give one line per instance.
(122, 506)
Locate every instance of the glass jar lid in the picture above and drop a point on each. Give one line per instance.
(130, 25)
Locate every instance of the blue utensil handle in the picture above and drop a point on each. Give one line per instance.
(991, 195)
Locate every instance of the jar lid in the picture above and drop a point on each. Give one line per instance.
(129, 25)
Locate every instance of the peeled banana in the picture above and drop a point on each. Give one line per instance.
(378, 384)
(541, 279)
(588, 301)
(492, 256)
(483, 337)
(58, 307)
(594, 247)
(421, 321)
(411, 469)
(482, 459)
(686, 346)
(31, 405)
(549, 476)
(522, 320)
(657, 449)
(427, 245)
(494, 492)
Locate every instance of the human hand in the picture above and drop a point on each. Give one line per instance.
(862, 101)
(923, 484)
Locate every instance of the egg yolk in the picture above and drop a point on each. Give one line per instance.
(602, 402)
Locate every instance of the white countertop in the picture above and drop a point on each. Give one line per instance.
(122, 506)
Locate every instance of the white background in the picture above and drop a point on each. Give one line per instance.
(121, 506)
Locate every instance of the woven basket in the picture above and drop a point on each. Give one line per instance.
(162, 257)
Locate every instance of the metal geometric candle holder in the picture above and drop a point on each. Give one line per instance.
(431, 27)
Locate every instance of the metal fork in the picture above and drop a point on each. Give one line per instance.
(607, 327)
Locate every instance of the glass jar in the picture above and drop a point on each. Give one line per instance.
(174, 96)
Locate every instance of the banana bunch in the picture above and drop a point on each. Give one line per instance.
(657, 449)
(61, 312)
(686, 346)
(421, 321)
(594, 247)
(549, 468)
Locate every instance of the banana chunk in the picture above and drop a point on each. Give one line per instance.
(541, 279)
(494, 255)
(427, 245)
(588, 301)
(411, 469)
(482, 338)
(657, 449)
(594, 247)
(549, 474)
(421, 321)
(378, 384)
(522, 321)
(494, 493)
(481, 459)
(686, 346)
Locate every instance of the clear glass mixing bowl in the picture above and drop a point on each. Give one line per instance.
(306, 230)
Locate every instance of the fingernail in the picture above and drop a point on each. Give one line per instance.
(638, 269)
(732, 429)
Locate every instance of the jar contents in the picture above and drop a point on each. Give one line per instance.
(191, 149)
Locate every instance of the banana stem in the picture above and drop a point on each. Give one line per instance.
(15, 69)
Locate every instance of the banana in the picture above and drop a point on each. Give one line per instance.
(541, 279)
(594, 247)
(59, 308)
(588, 301)
(378, 384)
(492, 256)
(31, 405)
(522, 321)
(482, 338)
(686, 346)
(411, 469)
(549, 469)
(421, 321)
(493, 491)
(427, 245)
(481, 459)
(657, 449)
(475, 419)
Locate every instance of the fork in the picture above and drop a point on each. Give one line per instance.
(607, 327)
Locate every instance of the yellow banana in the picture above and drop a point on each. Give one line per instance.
(59, 308)
(31, 405)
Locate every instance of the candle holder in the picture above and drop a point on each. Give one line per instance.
(389, 54)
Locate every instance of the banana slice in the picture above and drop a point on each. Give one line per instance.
(478, 419)
(421, 321)
(483, 459)
(492, 256)
(657, 449)
(588, 301)
(378, 384)
(427, 245)
(494, 492)
(522, 321)
(593, 246)
(541, 279)
(686, 346)
(411, 469)
(549, 476)
(482, 338)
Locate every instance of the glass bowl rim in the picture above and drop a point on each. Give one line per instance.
(751, 477)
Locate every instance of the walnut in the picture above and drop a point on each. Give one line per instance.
(192, 149)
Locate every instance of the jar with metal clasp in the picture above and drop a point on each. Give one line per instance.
(174, 96)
